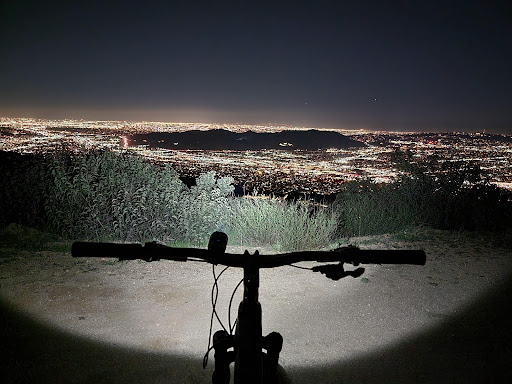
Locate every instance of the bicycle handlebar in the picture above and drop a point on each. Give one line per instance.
(155, 252)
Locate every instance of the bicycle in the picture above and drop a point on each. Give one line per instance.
(255, 357)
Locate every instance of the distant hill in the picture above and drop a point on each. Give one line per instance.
(500, 138)
(221, 139)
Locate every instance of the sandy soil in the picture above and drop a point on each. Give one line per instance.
(96, 320)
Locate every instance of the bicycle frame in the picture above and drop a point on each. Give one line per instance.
(252, 365)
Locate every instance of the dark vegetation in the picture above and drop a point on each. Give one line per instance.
(108, 196)
(111, 196)
(434, 192)
(101, 195)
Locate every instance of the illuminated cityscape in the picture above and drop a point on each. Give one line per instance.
(268, 171)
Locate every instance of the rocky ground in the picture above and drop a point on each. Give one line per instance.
(67, 320)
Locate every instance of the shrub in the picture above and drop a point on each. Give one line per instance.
(369, 208)
(445, 195)
(285, 226)
(205, 208)
(103, 196)
(23, 188)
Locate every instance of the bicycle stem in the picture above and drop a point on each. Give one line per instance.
(248, 336)
(252, 365)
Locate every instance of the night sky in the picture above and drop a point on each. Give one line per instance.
(394, 65)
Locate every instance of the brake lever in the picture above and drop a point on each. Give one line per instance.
(337, 271)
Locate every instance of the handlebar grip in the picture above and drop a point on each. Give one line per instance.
(121, 251)
(385, 256)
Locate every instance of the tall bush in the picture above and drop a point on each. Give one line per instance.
(102, 195)
(369, 208)
(24, 186)
(111, 196)
(205, 208)
(282, 225)
(442, 194)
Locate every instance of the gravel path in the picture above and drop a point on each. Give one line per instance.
(96, 320)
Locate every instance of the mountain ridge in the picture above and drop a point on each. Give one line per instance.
(221, 139)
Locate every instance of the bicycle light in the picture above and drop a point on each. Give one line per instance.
(218, 242)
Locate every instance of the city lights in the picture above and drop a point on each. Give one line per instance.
(269, 171)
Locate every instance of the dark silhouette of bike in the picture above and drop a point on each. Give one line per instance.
(255, 357)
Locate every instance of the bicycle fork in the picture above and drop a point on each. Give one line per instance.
(252, 365)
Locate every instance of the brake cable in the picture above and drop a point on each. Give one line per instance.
(232, 328)
(214, 297)
(299, 267)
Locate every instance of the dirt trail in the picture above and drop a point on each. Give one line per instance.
(92, 320)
